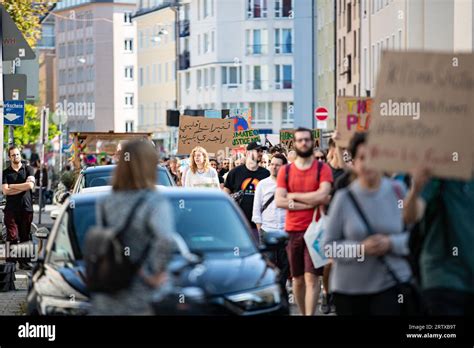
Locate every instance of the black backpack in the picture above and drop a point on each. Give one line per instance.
(108, 269)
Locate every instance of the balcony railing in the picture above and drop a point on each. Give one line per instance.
(257, 49)
(257, 85)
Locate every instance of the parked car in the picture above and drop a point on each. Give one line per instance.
(102, 176)
(230, 274)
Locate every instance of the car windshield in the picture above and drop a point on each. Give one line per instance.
(211, 225)
(104, 178)
(206, 225)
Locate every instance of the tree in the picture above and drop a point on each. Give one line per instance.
(27, 15)
(30, 132)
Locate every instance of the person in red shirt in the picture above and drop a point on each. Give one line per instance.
(300, 192)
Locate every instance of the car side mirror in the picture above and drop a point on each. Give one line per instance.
(42, 233)
(273, 240)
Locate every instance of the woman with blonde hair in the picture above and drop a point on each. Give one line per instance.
(200, 172)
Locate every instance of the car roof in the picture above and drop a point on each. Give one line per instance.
(106, 168)
(91, 194)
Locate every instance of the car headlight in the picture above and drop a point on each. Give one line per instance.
(257, 299)
(59, 306)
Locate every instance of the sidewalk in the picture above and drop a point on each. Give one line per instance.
(14, 302)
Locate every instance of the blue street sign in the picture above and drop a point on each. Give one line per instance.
(14, 113)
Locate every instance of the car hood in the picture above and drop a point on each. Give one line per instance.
(218, 276)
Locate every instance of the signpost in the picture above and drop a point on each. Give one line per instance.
(321, 115)
(12, 46)
(14, 112)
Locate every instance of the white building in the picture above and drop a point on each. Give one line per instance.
(431, 25)
(240, 55)
(95, 48)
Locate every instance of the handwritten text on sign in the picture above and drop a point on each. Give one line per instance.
(353, 115)
(287, 138)
(212, 134)
(437, 130)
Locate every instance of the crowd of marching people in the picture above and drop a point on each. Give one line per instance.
(412, 232)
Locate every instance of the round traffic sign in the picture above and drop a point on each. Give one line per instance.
(321, 113)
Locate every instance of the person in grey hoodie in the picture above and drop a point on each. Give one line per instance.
(361, 282)
(134, 180)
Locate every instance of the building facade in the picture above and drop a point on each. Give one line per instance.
(348, 47)
(239, 54)
(156, 69)
(46, 52)
(429, 25)
(96, 55)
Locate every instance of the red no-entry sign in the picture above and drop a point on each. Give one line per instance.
(321, 114)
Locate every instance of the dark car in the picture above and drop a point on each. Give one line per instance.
(102, 176)
(232, 274)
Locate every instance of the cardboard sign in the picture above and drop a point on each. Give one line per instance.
(210, 133)
(353, 115)
(245, 137)
(287, 138)
(424, 113)
(242, 118)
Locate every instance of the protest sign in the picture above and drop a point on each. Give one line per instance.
(424, 114)
(353, 115)
(242, 118)
(287, 138)
(211, 133)
(245, 137)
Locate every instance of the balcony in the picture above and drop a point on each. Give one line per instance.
(283, 48)
(184, 60)
(284, 84)
(184, 28)
(257, 49)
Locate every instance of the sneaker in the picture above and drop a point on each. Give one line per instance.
(325, 307)
(25, 266)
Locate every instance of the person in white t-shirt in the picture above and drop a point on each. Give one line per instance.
(200, 173)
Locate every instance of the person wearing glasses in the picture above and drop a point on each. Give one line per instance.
(319, 154)
(17, 185)
(225, 167)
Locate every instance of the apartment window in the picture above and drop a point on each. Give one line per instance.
(127, 17)
(343, 48)
(188, 81)
(262, 113)
(80, 74)
(207, 8)
(140, 77)
(61, 25)
(372, 67)
(160, 79)
(62, 51)
(147, 75)
(80, 48)
(199, 79)
(199, 44)
(140, 39)
(199, 9)
(129, 72)
(393, 41)
(283, 41)
(283, 76)
(257, 41)
(206, 42)
(89, 46)
(213, 76)
(128, 126)
(129, 100)
(206, 78)
(365, 68)
(287, 113)
(231, 76)
(141, 114)
(355, 43)
(89, 18)
(399, 39)
(128, 45)
(173, 70)
(257, 8)
(349, 18)
(283, 8)
(257, 77)
(71, 49)
(166, 72)
(213, 41)
(90, 73)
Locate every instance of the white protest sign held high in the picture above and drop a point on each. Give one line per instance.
(424, 113)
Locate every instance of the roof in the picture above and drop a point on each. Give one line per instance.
(144, 11)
